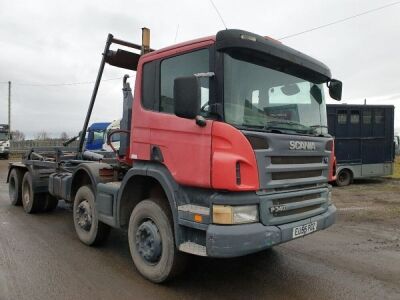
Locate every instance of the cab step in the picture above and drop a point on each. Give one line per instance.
(193, 248)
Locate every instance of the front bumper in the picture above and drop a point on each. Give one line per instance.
(4, 151)
(238, 240)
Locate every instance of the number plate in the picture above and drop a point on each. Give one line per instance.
(304, 229)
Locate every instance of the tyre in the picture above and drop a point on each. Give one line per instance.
(51, 203)
(31, 202)
(151, 241)
(87, 226)
(15, 187)
(344, 177)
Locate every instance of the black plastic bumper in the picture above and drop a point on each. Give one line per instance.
(238, 240)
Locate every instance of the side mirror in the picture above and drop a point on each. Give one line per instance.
(335, 89)
(187, 97)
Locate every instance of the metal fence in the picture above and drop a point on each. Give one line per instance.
(19, 147)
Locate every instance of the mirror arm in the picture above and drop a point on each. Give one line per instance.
(201, 121)
(206, 74)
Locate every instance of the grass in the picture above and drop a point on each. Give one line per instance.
(396, 171)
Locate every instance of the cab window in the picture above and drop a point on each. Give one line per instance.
(183, 65)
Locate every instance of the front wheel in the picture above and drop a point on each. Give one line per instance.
(87, 225)
(151, 241)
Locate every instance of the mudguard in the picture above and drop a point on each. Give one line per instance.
(14, 165)
(160, 173)
(92, 170)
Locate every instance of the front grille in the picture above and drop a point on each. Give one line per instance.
(296, 187)
(296, 211)
(281, 160)
(295, 174)
(296, 199)
(257, 142)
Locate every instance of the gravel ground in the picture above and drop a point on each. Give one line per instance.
(358, 257)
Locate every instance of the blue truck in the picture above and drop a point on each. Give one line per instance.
(95, 136)
(364, 136)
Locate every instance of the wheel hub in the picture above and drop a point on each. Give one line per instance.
(148, 241)
(84, 215)
(27, 197)
(342, 176)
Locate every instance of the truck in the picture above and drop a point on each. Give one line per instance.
(223, 152)
(364, 140)
(95, 136)
(115, 139)
(397, 143)
(4, 141)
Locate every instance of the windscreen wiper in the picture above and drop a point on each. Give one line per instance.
(272, 125)
(251, 126)
(275, 122)
(261, 128)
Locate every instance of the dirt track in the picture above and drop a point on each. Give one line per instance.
(359, 257)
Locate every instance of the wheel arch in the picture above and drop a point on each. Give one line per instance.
(19, 166)
(141, 182)
(88, 174)
(348, 168)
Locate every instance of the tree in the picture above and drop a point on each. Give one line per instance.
(64, 136)
(42, 136)
(18, 135)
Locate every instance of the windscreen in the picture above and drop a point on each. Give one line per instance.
(262, 98)
(3, 136)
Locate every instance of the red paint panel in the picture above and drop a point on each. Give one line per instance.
(185, 146)
(140, 142)
(229, 147)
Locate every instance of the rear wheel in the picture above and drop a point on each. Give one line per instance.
(344, 177)
(15, 187)
(87, 225)
(31, 202)
(151, 241)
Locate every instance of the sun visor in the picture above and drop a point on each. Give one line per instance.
(233, 39)
(123, 59)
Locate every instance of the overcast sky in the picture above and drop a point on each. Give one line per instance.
(45, 42)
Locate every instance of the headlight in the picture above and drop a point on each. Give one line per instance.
(226, 214)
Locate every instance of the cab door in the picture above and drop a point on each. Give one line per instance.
(178, 143)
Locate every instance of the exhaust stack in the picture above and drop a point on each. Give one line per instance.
(145, 41)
